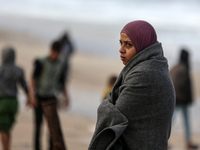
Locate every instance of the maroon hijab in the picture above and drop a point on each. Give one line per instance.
(141, 34)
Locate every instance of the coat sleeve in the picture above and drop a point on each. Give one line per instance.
(189, 89)
(22, 81)
(37, 69)
(110, 125)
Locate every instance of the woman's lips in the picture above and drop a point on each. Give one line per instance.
(122, 58)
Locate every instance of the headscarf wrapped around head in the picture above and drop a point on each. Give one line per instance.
(141, 34)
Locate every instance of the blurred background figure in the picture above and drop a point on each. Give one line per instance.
(10, 76)
(180, 74)
(67, 49)
(109, 86)
(48, 80)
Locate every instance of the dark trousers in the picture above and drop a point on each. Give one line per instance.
(51, 115)
(38, 120)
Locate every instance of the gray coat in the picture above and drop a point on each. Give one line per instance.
(137, 113)
(182, 82)
(10, 75)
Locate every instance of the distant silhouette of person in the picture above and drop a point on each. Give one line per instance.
(109, 86)
(180, 74)
(67, 49)
(48, 79)
(10, 77)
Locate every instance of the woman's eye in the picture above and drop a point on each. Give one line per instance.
(120, 43)
(129, 45)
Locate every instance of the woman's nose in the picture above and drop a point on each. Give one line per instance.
(121, 50)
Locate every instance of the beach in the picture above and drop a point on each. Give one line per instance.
(88, 77)
(77, 131)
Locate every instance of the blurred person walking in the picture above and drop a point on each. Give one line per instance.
(10, 77)
(67, 49)
(137, 113)
(180, 75)
(48, 80)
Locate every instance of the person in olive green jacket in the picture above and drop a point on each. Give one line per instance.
(48, 80)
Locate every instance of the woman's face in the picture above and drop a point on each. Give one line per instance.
(127, 50)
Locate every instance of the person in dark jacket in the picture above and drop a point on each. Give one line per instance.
(136, 115)
(67, 49)
(10, 77)
(180, 75)
(48, 79)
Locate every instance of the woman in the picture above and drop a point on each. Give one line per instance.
(136, 114)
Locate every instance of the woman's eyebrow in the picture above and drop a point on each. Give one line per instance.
(127, 42)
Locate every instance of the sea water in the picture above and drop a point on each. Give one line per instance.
(95, 24)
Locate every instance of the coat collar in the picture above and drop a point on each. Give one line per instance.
(153, 51)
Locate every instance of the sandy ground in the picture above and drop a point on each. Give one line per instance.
(88, 78)
(77, 131)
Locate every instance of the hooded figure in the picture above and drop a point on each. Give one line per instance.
(10, 77)
(136, 114)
